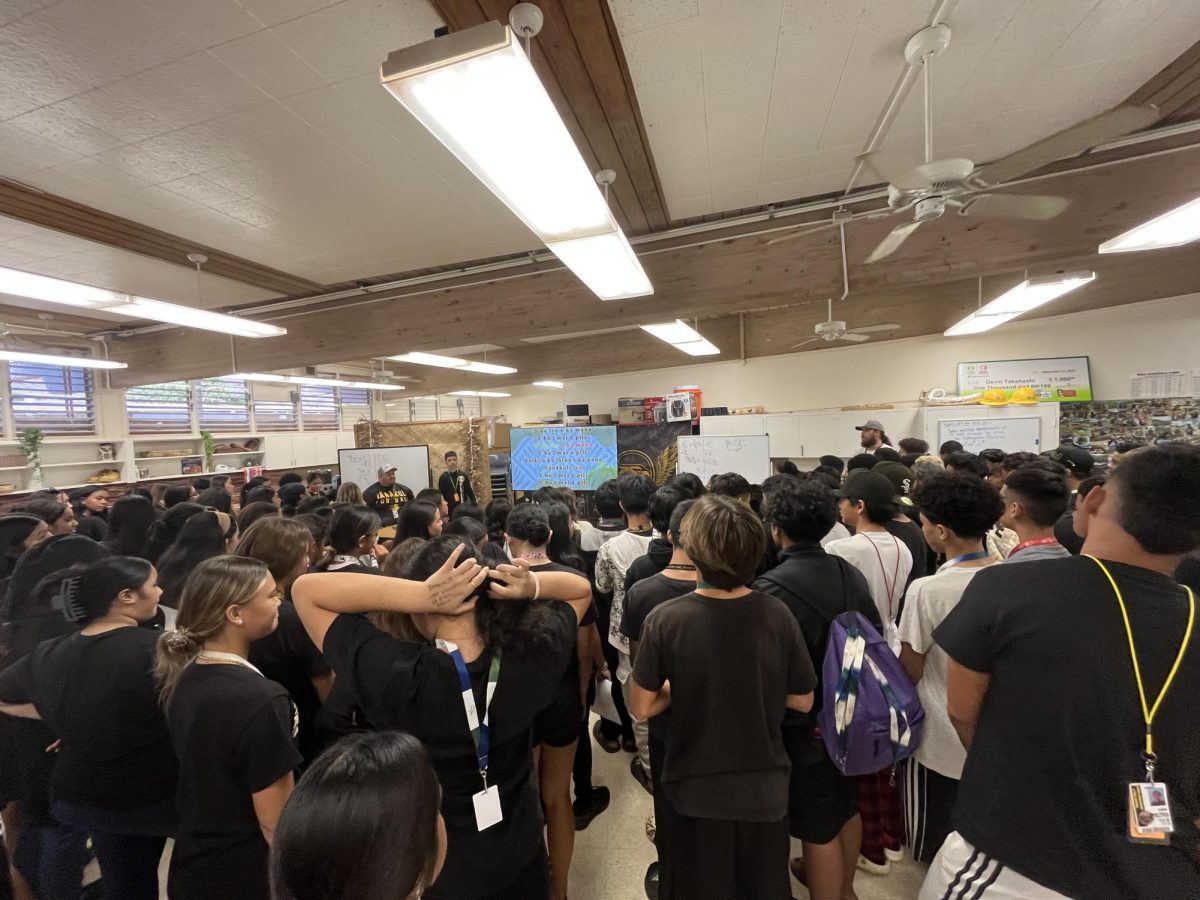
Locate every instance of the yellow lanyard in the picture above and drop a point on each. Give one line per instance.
(1149, 712)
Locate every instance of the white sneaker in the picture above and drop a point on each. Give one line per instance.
(872, 868)
(893, 855)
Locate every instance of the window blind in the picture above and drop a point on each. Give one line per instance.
(159, 408)
(319, 408)
(356, 404)
(275, 415)
(222, 404)
(56, 399)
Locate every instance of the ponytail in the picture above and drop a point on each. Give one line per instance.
(214, 586)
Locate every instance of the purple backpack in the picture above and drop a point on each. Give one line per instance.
(872, 717)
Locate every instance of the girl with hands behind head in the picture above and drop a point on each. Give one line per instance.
(487, 665)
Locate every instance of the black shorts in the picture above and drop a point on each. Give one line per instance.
(820, 798)
(558, 724)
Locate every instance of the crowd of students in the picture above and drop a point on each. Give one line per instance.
(309, 711)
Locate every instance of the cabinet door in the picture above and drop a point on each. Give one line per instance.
(278, 451)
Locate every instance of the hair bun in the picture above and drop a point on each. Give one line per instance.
(180, 641)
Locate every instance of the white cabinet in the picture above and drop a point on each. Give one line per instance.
(280, 452)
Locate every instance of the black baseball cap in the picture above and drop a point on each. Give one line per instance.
(870, 487)
(901, 477)
(1077, 460)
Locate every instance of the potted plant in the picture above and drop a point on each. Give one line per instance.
(209, 451)
(30, 442)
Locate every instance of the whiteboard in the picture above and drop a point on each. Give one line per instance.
(707, 455)
(1007, 434)
(362, 465)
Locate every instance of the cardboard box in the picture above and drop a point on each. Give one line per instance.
(655, 410)
(602, 419)
(624, 402)
(631, 415)
(503, 436)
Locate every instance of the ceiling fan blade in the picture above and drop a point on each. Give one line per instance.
(854, 338)
(892, 242)
(805, 343)
(1015, 206)
(801, 231)
(896, 173)
(1107, 126)
(867, 329)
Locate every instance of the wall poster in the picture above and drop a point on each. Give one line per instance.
(1029, 381)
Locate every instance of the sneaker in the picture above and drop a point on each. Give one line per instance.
(641, 776)
(585, 812)
(894, 855)
(874, 868)
(651, 882)
(608, 745)
(629, 745)
(651, 827)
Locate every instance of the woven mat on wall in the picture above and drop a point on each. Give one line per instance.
(466, 437)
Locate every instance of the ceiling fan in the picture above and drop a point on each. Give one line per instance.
(832, 330)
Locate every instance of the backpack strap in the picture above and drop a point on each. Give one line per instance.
(900, 739)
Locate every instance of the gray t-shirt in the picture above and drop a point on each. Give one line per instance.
(1040, 551)
(731, 665)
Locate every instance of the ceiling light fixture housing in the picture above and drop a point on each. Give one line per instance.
(479, 394)
(316, 381)
(1175, 228)
(1028, 295)
(83, 362)
(548, 384)
(477, 92)
(452, 362)
(84, 296)
(682, 336)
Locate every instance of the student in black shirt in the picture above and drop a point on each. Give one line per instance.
(658, 554)
(1042, 691)
(352, 541)
(233, 731)
(904, 525)
(203, 536)
(18, 533)
(386, 497)
(727, 662)
(129, 523)
(287, 655)
(116, 774)
(817, 587)
(419, 519)
(91, 510)
(417, 686)
(363, 822)
(455, 484)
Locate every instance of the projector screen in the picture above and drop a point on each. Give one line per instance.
(581, 458)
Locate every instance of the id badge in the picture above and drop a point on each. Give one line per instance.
(1149, 813)
(487, 808)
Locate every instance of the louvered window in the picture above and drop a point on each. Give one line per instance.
(356, 405)
(159, 408)
(222, 404)
(56, 399)
(319, 408)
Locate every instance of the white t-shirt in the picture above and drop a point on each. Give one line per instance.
(612, 562)
(838, 532)
(929, 601)
(886, 562)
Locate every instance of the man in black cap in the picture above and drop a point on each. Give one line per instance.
(873, 437)
(1079, 464)
(386, 497)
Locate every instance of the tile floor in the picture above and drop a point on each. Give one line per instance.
(612, 854)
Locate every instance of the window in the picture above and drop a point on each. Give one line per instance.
(159, 408)
(222, 404)
(275, 415)
(56, 399)
(356, 405)
(450, 407)
(319, 408)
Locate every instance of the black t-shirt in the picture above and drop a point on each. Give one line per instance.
(910, 534)
(1061, 732)
(414, 687)
(289, 657)
(93, 527)
(654, 560)
(817, 587)
(386, 499)
(233, 731)
(642, 599)
(97, 694)
(456, 488)
(732, 665)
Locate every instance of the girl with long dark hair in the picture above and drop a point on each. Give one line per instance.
(419, 519)
(202, 537)
(115, 776)
(129, 523)
(352, 541)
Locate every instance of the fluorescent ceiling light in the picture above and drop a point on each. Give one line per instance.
(477, 93)
(682, 336)
(453, 362)
(1028, 295)
(315, 381)
(83, 362)
(548, 384)
(1172, 229)
(69, 293)
(606, 264)
(479, 394)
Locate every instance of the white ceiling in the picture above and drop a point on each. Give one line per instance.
(750, 103)
(257, 127)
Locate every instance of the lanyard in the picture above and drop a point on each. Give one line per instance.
(1149, 712)
(1036, 542)
(481, 734)
(890, 588)
(966, 557)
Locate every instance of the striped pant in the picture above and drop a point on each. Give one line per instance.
(928, 802)
(962, 872)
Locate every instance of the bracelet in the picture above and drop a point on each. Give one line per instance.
(537, 585)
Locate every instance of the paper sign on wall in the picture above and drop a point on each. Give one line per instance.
(1164, 384)
(1062, 380)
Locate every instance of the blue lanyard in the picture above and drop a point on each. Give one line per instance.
(966, 557)
(481, 733)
